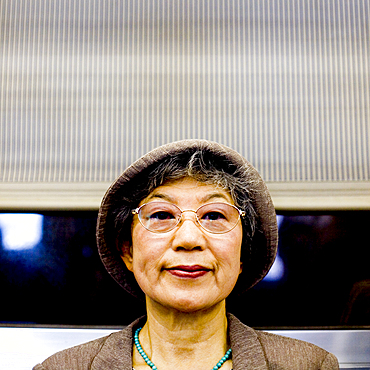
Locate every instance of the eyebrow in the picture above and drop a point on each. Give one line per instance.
(215, 196)
(159, 195)
(207, 198)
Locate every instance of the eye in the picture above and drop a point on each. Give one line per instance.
(162, 215)
(213, 216)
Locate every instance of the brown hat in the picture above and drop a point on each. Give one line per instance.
(257, 255)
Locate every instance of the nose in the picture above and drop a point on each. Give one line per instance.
(189, 234)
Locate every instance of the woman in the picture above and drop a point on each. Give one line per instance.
(184, 227)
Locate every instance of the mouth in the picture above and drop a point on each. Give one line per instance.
(188, 271)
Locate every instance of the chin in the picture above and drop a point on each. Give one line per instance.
(189, 307)
(187, 300)
(192, 304)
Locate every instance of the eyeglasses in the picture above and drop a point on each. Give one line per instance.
(162, 217)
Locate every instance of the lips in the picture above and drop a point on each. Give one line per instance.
(188, 271)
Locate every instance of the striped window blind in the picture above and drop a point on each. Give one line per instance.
(88, 86)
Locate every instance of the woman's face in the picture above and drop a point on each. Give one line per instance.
(187, 268)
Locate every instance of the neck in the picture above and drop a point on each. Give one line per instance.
(174, 339)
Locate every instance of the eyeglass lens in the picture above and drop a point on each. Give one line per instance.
(214, 217)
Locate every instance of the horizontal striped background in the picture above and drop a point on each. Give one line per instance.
(89, 86)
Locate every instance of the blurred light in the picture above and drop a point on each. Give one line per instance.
(276, 272)
(20, 231)
(279, 220)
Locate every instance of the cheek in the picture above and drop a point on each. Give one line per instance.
(145, 250)
(233, 264)
(232, 252)
(139, 240)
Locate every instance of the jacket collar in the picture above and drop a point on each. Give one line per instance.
(116, 353)
(247, 349)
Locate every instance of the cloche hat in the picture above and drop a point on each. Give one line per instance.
(257, 257)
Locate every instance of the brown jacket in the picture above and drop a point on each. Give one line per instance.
(252, 350)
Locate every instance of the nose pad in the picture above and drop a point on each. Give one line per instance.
(189, 235)
(183, 219)
(193, 219)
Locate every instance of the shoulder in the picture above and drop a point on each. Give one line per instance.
(105, 352)
(78, 357)
(299, 354)
(278, 352)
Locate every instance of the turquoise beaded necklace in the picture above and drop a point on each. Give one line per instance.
(150, 363)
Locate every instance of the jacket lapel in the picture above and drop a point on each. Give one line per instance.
(247, 350)
(116, 353)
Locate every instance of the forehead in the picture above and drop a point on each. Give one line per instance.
(190, 190)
